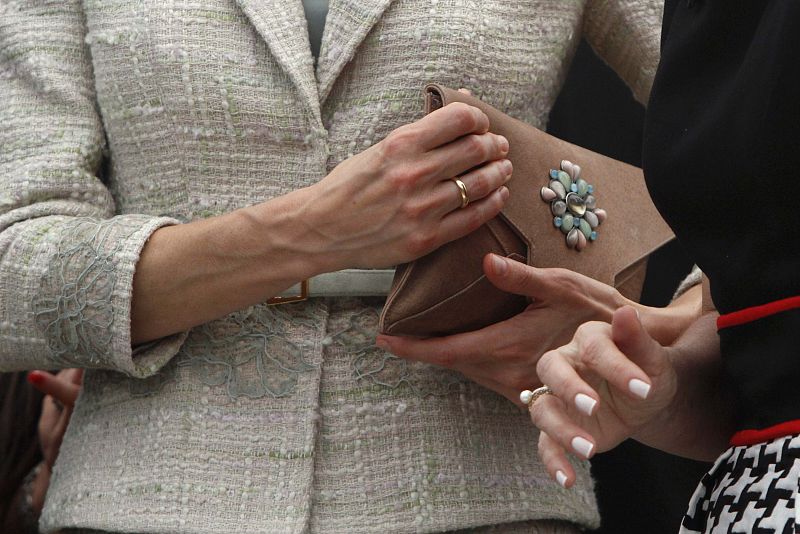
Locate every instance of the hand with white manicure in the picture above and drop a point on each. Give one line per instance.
(610, 383)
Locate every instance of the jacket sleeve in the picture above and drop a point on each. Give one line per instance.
(66, 261)
(627, 35)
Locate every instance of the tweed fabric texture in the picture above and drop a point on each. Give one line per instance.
(123, 116)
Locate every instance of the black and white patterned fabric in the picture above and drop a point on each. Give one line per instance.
(750, 489)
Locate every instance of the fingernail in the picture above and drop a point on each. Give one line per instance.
(504, 193)
(582, 446)
(503, 144)
(639, 388)
(585, 403)
(35, 377)
(561, 478)
(381, 344)
(499, 264)
(507, 168)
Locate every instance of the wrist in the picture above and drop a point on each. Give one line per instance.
(298, 228)
(287, 238)
(666, 324)
(698, 420)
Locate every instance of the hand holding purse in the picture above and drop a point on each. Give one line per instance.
(569, 207)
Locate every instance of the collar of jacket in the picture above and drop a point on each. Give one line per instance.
(282, 24)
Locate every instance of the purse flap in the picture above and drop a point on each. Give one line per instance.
(633, 227)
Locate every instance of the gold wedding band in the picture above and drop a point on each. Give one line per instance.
(462, 190)
(529, 397)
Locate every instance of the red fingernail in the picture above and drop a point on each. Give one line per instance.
(34, 377)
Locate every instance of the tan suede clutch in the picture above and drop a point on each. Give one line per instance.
(599, 221)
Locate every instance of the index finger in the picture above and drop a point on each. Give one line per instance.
(449, 123)
(516, 277)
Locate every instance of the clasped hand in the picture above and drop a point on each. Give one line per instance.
(611, 382)
(503, 357)
(397, 201)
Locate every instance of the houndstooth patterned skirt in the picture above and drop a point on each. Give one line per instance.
(750, 489)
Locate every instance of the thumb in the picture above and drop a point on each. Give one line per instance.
(514, 277)
(632, 339)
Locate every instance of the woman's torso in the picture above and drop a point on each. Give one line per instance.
(287, 418)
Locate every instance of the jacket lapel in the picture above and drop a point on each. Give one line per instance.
(347, 24)
(282, 24)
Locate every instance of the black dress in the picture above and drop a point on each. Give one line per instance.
(722, 158)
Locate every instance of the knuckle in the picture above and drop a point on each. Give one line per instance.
(488, 149)
(474, 219)
(592, 352)
(421, 242)
(463, 116)
(475, 144)
(397, 142)
(495, 205)
(538, 411)
(403, 179)
(542, 449)
(481, 185)
(545, 364)
(498, 174)
(562, 277)
(427, 168)
(591, 331)
(525, 276)
(414, 211)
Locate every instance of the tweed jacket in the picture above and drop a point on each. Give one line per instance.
(119, 117)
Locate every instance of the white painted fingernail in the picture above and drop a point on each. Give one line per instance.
(639, 388)
(561, 478)
(582, 446)
(585, 403)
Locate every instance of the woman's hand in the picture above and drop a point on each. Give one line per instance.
(611, 382)
(503, 356)
(397, 201)
(392, 203)
(61, 391)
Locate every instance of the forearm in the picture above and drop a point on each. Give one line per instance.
(192, 273)
(699, 422)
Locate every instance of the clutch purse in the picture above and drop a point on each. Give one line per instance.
(569, 207)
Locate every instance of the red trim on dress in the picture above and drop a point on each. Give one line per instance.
(751, 437)
(748, 315)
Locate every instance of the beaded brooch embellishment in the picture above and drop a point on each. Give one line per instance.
(573, 205)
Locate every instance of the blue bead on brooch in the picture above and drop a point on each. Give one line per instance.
(573, 205)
